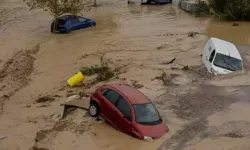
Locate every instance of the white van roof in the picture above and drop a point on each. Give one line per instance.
(226, 48)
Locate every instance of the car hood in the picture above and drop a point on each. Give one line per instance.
(154, 131)
(221, 70)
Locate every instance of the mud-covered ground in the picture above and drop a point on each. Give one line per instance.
(202, 112)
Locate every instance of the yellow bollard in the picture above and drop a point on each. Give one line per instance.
(75, 79)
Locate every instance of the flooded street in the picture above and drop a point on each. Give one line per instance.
(138, 40)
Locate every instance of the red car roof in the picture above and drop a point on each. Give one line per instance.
(133, 95)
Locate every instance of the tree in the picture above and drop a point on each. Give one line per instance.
(59, 7)
(231, 9)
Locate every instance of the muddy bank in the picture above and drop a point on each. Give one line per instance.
(20, 29)
(15, 74)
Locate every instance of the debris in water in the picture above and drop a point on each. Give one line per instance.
(166, 79)
(27, 106)
(56, 117)
(73, 97)
(174, 68)
(40, 148)
(40, 135)
(45, 105)
(2, 87)
(44, 99)
(2, 137)
(185, 68)
(35, 49)
(99, 118)
(235, 24)
(68, 110)
(76, 79)
(5, 96)
(56, 95)
(192, 34)
(169, 62)
(234, 135)
(136, 84)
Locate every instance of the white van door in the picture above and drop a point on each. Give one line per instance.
(210, 60)
(208, 55)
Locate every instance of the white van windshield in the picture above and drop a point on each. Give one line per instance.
(227, 62)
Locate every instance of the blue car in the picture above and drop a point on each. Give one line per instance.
(68, 23)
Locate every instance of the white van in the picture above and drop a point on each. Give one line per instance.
(221, 57)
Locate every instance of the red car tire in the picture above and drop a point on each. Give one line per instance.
(93, 110)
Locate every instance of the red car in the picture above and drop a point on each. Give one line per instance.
(128, 110)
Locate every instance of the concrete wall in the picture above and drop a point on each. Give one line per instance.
(177, 2)
(188, 5)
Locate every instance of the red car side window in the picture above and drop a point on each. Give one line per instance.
(111, 96)
(124, 107)
(104, 91)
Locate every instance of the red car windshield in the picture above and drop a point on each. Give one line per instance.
(146, 114)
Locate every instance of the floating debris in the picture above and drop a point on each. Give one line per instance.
(2, 137)
(234, 135)
(44, 99)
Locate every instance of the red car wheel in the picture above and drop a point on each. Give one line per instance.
(93, 110)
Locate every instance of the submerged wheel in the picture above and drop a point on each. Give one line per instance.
(93, 110)
(69, 31)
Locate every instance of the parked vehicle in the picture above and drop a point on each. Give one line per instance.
(150, 1)
(221, 57)
(68, 23)
(127, 110)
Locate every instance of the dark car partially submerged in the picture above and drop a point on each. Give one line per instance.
(68, 23)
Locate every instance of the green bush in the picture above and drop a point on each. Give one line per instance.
(231, 9)
(203, 9)
(103, 70)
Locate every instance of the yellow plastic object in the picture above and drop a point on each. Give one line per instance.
(75, 79)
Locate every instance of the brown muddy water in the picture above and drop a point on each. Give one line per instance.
(138, 39)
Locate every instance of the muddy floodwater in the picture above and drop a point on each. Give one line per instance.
(202, 112)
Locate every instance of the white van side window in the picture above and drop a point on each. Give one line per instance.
(212, 56)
